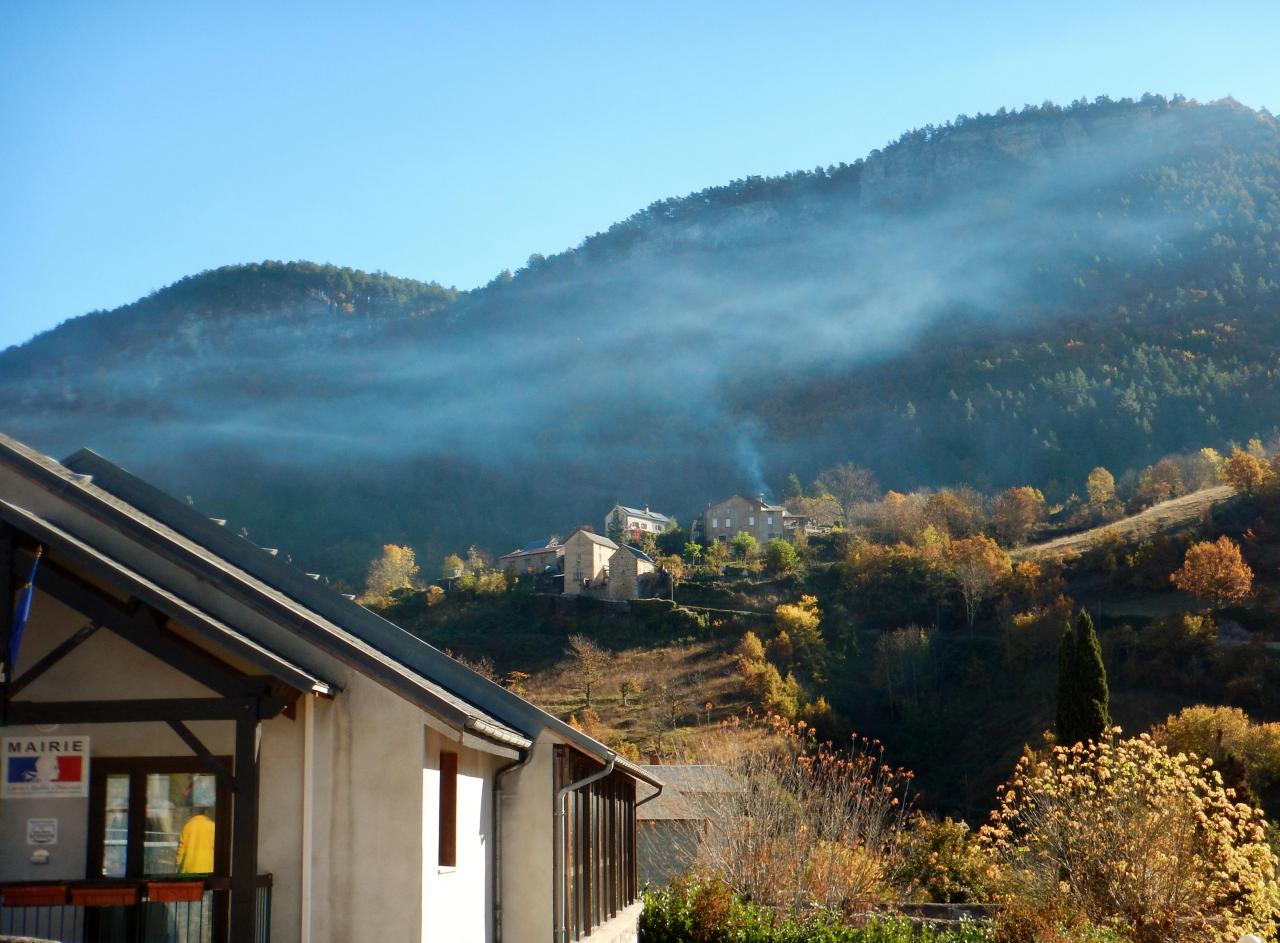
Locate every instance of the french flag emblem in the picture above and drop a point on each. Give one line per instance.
(45, 769)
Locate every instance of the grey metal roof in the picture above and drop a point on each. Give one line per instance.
(642, 512)
(637, 552)
(190, 615)
(687, 778)
(690, 792)
(671, 806)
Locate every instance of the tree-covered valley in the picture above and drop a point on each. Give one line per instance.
(1005, 299)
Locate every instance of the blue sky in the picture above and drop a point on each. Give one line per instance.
(142, 142)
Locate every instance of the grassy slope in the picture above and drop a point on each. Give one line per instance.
(1160, 519)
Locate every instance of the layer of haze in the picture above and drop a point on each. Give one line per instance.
(143, 142)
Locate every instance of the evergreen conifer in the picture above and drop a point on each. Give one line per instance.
(1093, 706)
(1083, 697)
(1067, 721)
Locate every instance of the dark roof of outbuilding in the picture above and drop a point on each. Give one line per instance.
(306, 609)
(637, 552)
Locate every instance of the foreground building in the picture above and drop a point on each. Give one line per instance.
(202, 743)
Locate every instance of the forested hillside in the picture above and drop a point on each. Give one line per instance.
(1006, 299)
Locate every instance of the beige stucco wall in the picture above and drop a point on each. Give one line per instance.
(528, 845)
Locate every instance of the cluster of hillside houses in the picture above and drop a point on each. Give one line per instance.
(592, 564)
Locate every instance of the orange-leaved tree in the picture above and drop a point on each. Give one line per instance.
(1245, 472)
(1214, 570)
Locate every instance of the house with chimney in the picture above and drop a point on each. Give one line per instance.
(762, 520)
(636, 522)
(202, 742)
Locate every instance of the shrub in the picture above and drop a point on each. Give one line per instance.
(707, 911)
(1127, 836)
(812, 827)
(943, 861)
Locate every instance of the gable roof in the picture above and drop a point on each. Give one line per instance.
(689, 793)
(637, 552)
(757, 502)
(594, 538)
(191, 567)
(537, 546)
(645, 513)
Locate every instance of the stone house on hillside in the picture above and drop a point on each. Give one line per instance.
(596, 566)
(349, 781)
(636, 521)
(762, 520)
(533, 559)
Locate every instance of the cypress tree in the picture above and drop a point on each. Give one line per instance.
(1068, 722)
(1090, 681)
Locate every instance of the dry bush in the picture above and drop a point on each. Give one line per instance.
(812, 826)
(1126, 835)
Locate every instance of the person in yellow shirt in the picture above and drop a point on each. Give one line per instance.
(195, 844)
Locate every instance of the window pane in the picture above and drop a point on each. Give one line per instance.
(181, 810)
(115, 837)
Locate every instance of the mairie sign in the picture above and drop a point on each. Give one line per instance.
(45, 767)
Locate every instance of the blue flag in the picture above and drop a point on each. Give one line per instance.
(21, 614)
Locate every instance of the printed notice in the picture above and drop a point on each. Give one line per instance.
(42, 831)
(45, 768)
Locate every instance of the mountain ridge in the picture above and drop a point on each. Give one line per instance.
(1006, 298)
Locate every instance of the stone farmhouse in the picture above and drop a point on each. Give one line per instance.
(762, 520)
(540, 556)
(596, 566)
(201, 742)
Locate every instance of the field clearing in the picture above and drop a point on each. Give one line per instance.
(1168, 516)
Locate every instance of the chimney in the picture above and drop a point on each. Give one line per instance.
(655, 759)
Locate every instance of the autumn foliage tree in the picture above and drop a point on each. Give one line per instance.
(1100, 486)
(1126, 836)
(1015, 511)
(395, 568)
(1245, 472)
(1215, 571)
(590, 662)
(978, 565)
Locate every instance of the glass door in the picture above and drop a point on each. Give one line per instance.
(157, 817)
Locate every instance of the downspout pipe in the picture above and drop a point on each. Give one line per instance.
(658, 791)
(561, 909)
(497, 839)
(308, 810)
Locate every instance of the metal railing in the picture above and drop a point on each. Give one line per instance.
(128, 911)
